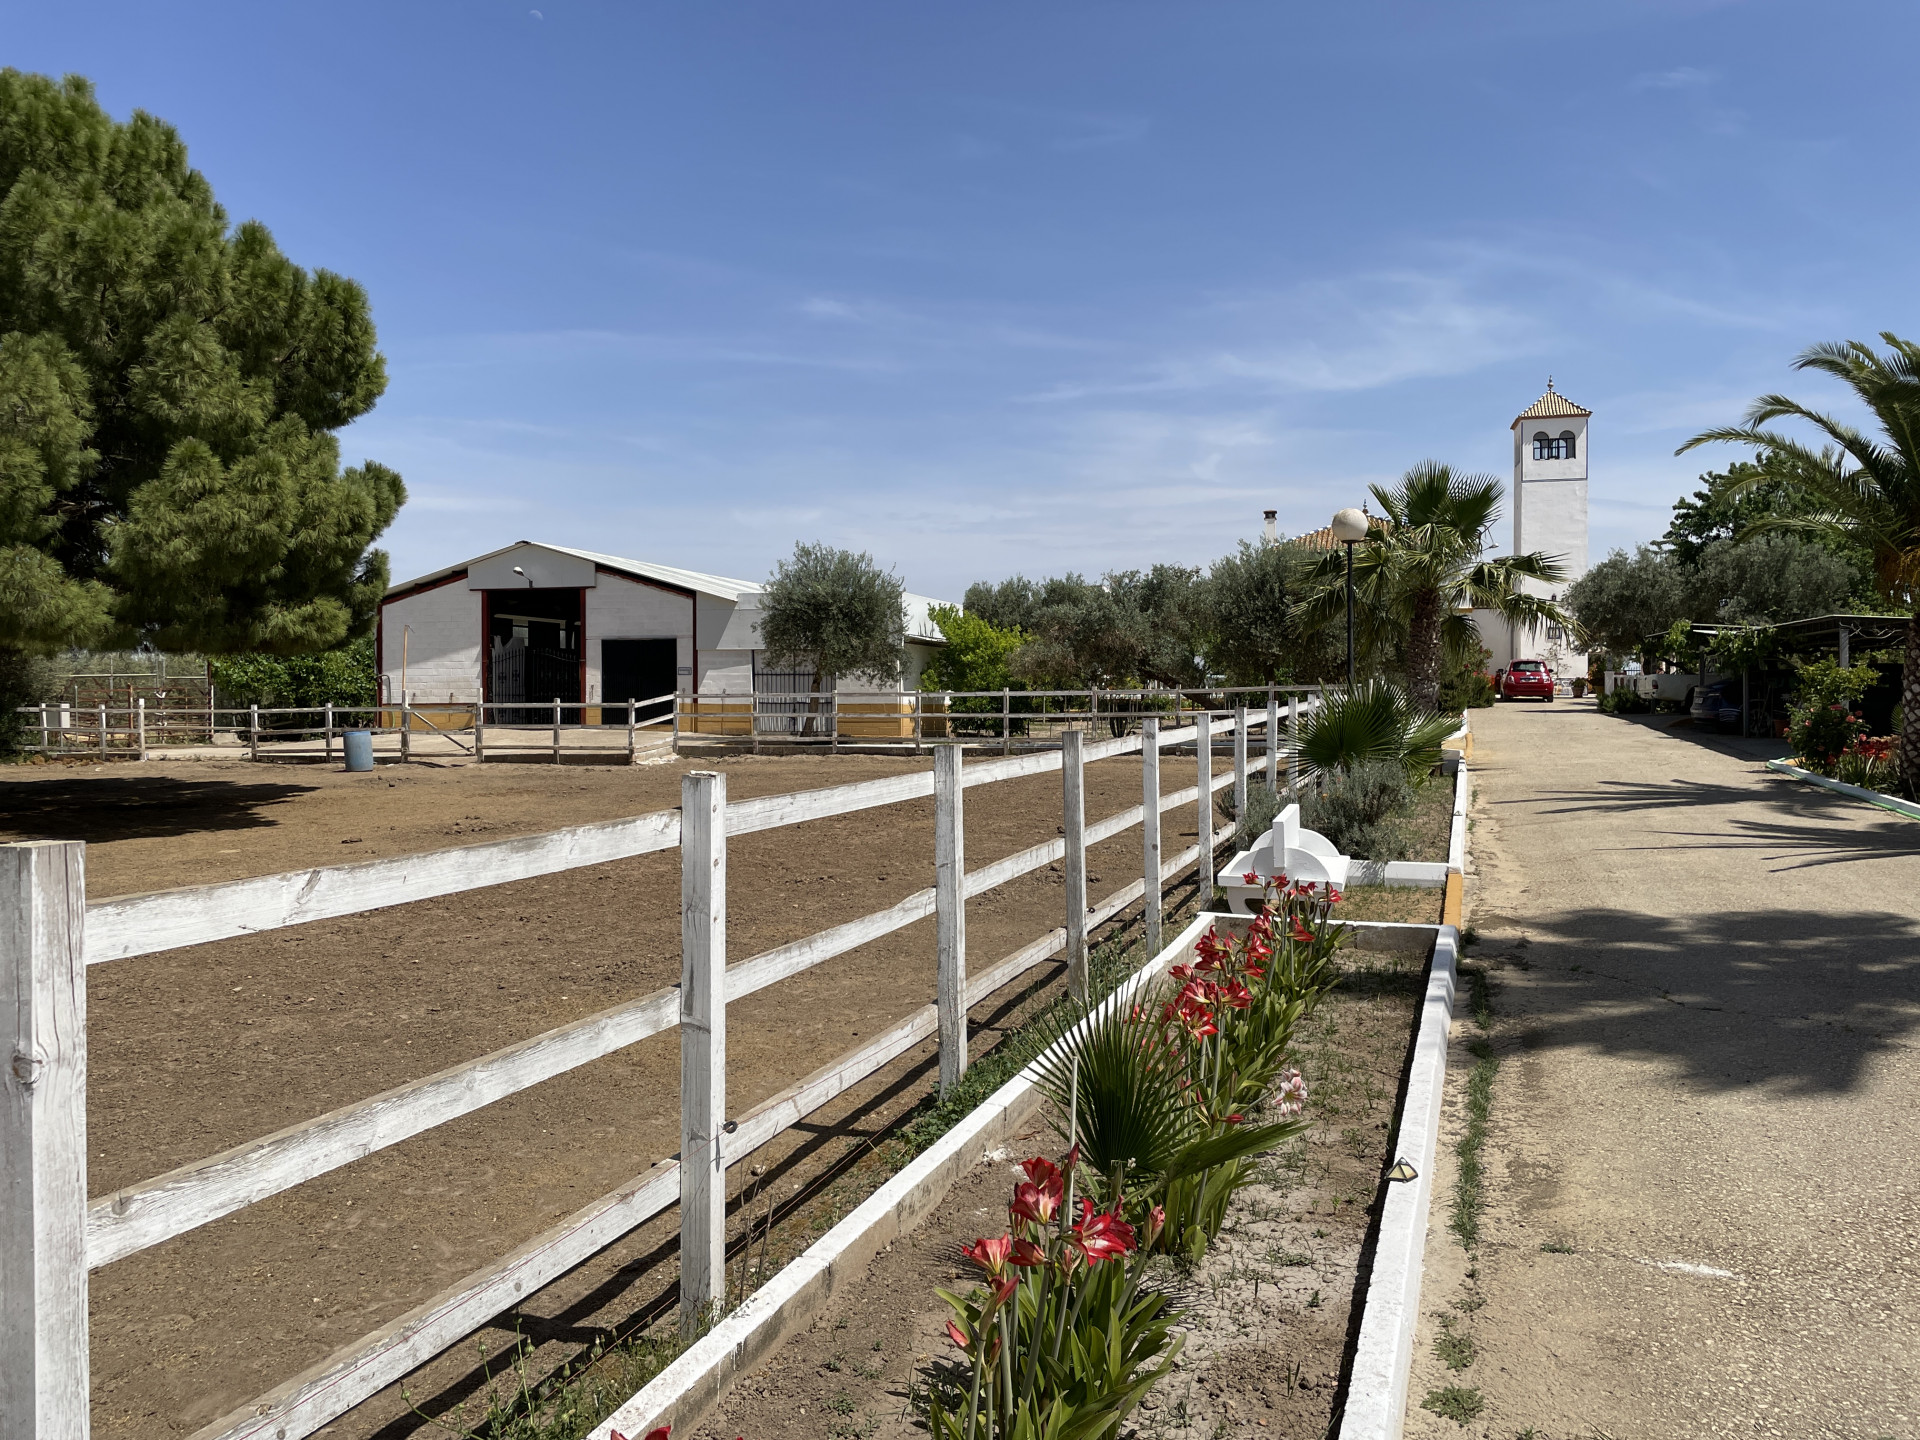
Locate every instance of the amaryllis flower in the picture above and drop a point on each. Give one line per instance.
(957, 1335)
(1211, 948)
(1301, 934)
(1156, 1224)
(1027, 1255)
(991, 1255)
(1291, 1098)
(1100, 1235)
(1238, 995)
(1040, 1169)
(1038, 1203)
(1333, 896)
(1252, 877)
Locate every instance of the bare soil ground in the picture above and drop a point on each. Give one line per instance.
(195, 1050)
(1268, 1311)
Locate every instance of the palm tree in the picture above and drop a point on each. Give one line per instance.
(1421, 571)
(1867, 487)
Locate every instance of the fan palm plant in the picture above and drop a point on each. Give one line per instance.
(1376, 722)
(1867, 487)
(1423, 569)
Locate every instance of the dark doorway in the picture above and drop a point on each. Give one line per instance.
(636, 670)
(535, 649)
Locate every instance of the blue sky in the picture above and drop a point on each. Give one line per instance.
(1004, 287)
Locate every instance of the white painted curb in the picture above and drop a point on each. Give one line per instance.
(1383, 1360)
(1857, 792)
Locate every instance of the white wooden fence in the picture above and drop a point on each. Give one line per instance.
(52, 1235)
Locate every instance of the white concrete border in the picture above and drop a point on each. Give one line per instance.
(1457, 837)
(1383, 1360)
(1856, 792)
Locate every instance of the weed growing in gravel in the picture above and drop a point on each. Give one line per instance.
(565, 1406)
(1455, 1403)
(1556, 1247)
(1468, 1197)
(1453, 1348)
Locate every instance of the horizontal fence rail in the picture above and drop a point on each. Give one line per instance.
(34, 962)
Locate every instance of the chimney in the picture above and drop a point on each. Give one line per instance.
(1272, 535)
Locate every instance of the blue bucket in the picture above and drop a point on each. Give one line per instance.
(358, 745)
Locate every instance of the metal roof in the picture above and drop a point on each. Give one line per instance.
(1550, 406)
(1869, 629)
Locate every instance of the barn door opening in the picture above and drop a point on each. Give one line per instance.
(637, 670)
(535, 648)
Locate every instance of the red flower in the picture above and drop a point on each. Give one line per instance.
(1027, 1255)
(1038, 1203)
(1101, 1235)
(991, 1255)
(957, 1335)
(1301, 934)
(1040, 1170)
(1252, 877)
(1239, 996)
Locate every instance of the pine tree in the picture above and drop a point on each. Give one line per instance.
(170, 385)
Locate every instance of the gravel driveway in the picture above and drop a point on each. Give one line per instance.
(1703, 1163)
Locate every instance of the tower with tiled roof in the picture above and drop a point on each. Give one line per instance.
(1549, 515)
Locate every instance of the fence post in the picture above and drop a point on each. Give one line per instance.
(1203, 817)
(676, 718)
(703, 1045)
(1006, 721)
(1293, 730)
(480, 729)
(950, 909)
(140, 715)
(43, 1142)
(919, 729)
(1240, 765)
(328, 752)
(1073, 818)
(1273, 740)
(1150, 829)
(44, 742)
(103, 732)
(253, 734)
(556, 729)
(630, 719)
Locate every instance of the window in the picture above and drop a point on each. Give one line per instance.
(1545, 447)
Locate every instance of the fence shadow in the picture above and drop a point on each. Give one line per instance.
(1729, 998)
(136, 807)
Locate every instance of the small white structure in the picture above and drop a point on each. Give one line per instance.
(1286, 850)
(537, 623)
(1549, 515)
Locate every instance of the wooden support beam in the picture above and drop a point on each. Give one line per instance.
(1240, 765)
(950, 899)
(43, 1142)
(1203, 810)
(1073, 822)
(703, 1046)
(1273, 741)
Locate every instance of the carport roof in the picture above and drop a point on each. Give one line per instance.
(1872, 629)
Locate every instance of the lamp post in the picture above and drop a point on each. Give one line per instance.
(1350, 528)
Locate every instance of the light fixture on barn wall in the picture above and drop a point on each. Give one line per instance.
(523, 575)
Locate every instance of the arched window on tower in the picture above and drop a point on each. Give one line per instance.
(1566, 445)
(1545, 447)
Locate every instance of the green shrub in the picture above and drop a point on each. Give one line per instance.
(1362, 811)
(1466, 685)
(346, 676)
(1821, 723)
(1623, 701)
(1262, 806)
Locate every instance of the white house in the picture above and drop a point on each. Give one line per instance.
(538, 622)
(1549, 515)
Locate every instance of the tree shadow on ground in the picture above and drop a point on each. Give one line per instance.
(136, 807)
(1711, 737)
(1816, 828)
(1732, 998)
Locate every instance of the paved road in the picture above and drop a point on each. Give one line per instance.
(1708, 981)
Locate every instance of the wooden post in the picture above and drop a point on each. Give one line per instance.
(919, 728)
(1006, 721)
(1273, 740)
(676, 718)
(1203, 810)
(140, 719)
(703, 1046)
(43, 1142)
(1240, 765)
(253, 733)
(1150, 829)
(1293, 730)
(480, 729)
(43, 725)
(950, 912)
(329, 732)
(103, 731)
(1073, 818)
(632, 715)
(1093, 712)
(556, 729)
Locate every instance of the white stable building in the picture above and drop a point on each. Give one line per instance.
(1549, 515)
(534, 623)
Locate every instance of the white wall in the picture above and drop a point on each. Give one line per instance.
(443, 652)
(623, 609)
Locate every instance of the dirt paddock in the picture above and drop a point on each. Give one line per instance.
(195, 1050)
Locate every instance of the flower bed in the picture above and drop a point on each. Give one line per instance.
(1083, 1301)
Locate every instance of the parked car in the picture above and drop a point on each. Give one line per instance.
(1526, 679)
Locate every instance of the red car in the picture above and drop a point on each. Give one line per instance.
(1526, 678)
